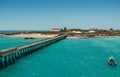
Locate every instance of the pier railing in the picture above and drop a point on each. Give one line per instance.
(9, 56)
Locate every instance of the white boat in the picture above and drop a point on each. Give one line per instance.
(111, 61)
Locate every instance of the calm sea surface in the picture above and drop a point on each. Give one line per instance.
(7, 42)
(66, 58)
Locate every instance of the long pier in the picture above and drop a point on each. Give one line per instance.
(11, 55)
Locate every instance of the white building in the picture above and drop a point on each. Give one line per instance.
(91, 31)
(76, 32)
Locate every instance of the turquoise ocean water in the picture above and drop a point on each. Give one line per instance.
(8, 42)
(67, 58)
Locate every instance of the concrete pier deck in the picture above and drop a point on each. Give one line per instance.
(9, 56)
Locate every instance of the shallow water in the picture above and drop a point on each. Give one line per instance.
(69, 58)
(8, 42)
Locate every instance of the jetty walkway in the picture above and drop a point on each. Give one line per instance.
(11, 55)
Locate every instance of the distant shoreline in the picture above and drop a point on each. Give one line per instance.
(97, 37)
(71, 33)
(39, 35)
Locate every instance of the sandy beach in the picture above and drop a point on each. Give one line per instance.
(1, 34)
(33, 35)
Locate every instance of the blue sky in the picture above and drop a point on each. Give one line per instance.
(46, 14)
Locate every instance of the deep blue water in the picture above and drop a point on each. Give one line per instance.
(69, 58)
